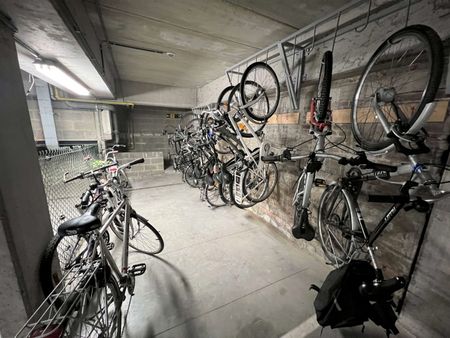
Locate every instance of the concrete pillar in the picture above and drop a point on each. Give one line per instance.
(46, 113)
(24, 220)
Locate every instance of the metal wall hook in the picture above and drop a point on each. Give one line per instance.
(407, 13)
(336, 30)
(309, 49)
(359, 30)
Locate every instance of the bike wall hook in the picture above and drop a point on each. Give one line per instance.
(361, 29)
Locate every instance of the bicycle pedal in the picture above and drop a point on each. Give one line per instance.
(318, 182)
(110, 246)
(137, 269)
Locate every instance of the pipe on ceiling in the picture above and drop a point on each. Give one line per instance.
(56, 97)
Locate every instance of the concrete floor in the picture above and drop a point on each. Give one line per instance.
(223, 273)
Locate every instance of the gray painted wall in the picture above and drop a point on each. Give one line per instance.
(146, 125)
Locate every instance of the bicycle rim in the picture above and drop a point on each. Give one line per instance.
(189, 177)
(224, 192)
(222, 100)
(143, 236)
(234, 103)
(410, 61)
(259, 183)
(334, 220)
(259, 84)
(99, 311)
(213, 196)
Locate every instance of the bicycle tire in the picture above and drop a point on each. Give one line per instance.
(123, 179)
(434, 52)
(268, 87)
(257, 127)
(92, 308)
(150, 246)
(268, 188)
(224, 192)
(224, 94)
(49, 273)
(189, 178)
(212, 196)
(324, 86)
(330, 222)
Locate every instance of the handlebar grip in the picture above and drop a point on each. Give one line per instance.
(139, 160)
(81, 175)
(379, 166)
(388, 198)
(271, 158)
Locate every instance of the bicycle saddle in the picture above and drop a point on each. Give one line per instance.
(82, 224)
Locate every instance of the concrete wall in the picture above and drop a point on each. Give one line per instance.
(153, 165)
(398, 244)
(72, 123)
(146, 125)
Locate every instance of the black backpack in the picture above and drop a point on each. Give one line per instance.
(339, 302)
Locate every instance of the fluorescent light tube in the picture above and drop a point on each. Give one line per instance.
(62, 78)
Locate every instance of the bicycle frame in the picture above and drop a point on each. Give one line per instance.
(359, 223)
(120, 273)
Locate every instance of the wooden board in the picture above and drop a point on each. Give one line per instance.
(284, 118)
(439, 114)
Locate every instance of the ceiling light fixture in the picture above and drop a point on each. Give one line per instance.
(61, 77)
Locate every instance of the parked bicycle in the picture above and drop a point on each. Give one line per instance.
(89, 288)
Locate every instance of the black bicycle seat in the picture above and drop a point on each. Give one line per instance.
(82, 224)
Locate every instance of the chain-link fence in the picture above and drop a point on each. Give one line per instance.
(61, 197)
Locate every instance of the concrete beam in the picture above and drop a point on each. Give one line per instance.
(46, 113)
(150, 94)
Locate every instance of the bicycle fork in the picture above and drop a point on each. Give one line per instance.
(302, 229)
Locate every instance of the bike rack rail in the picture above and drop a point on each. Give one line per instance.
(292, 50)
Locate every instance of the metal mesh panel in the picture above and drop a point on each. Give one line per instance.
(61, 197)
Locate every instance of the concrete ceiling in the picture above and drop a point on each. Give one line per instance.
(41, 28)
(207, 36)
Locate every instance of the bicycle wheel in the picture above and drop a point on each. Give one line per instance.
(60, 255)
(405, 71)
(259, 84)
(143, 237)
(335, 226)
(259, 183)
(222, 100)
(98, 312)
(234, 103)
(324, 85)
(224, 192)
(212, 196)
(189, 177)
(123, 179)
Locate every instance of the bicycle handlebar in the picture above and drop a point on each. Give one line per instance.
(95, 171)
(129, 164)
(359, 160)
